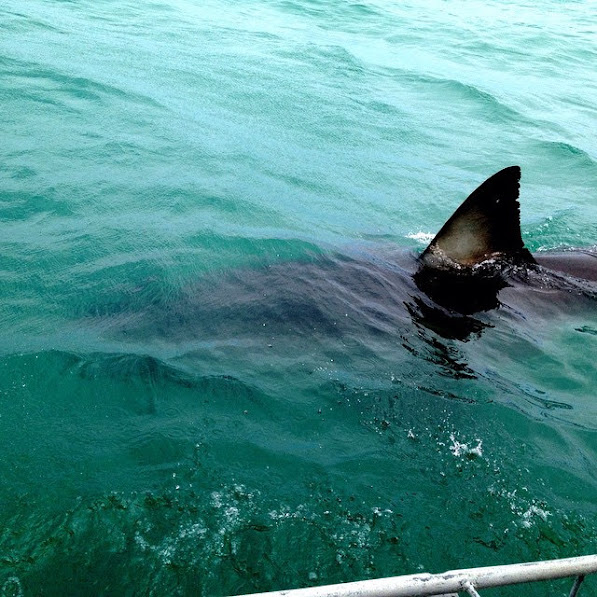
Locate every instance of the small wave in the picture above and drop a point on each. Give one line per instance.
(350, 14)
(17, 21)
(38, 82)
(129, 367)
(493, 108)
(565, 153)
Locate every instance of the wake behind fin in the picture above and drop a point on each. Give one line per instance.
(486, 226)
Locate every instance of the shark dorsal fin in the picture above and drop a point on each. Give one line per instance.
(485, 226)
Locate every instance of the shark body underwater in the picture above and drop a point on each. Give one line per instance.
(475, 272)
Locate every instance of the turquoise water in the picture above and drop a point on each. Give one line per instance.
(193, 397)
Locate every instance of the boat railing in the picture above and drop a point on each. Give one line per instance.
(449, 584)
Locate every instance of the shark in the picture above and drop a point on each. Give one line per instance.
(475, 271)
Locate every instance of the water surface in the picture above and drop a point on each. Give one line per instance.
(188, 405)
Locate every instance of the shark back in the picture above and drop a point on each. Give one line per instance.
(581, 264)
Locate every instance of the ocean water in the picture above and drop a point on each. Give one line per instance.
(195, 396)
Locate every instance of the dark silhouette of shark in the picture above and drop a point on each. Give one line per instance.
(476, 265)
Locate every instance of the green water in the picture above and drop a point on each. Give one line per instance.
(193, 400)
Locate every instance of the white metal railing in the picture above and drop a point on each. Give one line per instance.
(450, 583)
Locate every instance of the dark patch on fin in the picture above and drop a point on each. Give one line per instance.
(485, 226)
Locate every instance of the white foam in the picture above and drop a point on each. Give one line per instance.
(12, 586)
(421, 237)
(460, 449)
(532, 513)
